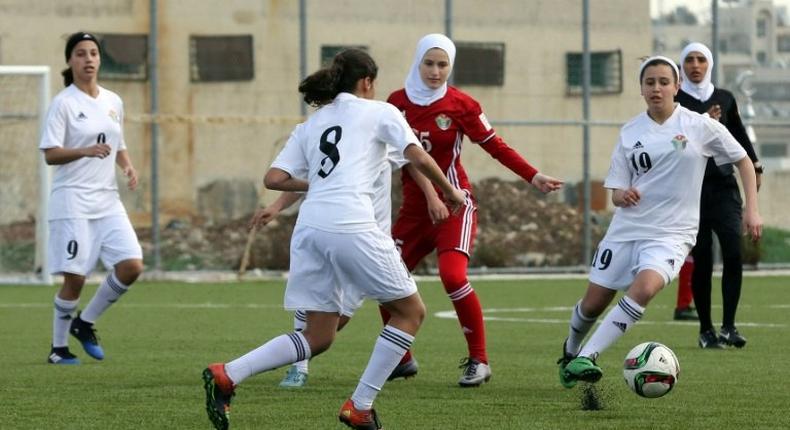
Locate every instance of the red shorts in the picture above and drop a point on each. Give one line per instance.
(417, 237)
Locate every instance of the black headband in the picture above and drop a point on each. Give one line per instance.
(78, 37)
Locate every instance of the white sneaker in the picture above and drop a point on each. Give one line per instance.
(475, 373)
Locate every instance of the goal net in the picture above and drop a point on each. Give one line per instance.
(24, 194)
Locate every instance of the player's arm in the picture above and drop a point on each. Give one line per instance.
(437, 210)
(511, 159)
(751, 215)
(266, 215)
(280, 180)
(738, 130)
(428, 167)
(60, 155)
(125, 163)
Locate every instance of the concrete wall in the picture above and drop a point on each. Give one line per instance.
(194, 153)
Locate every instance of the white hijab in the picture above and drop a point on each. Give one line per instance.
(419, 93)
(703, 90)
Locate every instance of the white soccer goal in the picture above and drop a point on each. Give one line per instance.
(24, 177)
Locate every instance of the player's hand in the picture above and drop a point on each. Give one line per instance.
(437, 210)
(262, 217)
(456, 200)
(753, 224)
(630, 197)
(546, 184)
(715, 112)
(99, 150)
(131, 175)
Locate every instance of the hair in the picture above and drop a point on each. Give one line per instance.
(73, 40)
(658, 62)
(347, 68)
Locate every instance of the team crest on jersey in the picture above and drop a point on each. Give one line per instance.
(679, 142)
(443, 121)
(114, 115)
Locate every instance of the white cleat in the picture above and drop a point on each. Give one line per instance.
(475, 373)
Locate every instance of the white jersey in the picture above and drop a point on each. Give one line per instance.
(84, 188)
(666, 163)
(382, 199)
(343, 148)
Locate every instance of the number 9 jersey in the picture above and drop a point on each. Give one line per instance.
(341, 150)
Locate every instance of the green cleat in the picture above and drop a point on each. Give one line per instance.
(583, 369)
(565, 379)
(294, 378)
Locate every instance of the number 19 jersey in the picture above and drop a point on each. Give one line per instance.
(341, 150)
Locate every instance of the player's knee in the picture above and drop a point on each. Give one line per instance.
(453, 278)
(128, 271)
(319, 342)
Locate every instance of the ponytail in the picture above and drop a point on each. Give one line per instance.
(347, 68)
(68, 76)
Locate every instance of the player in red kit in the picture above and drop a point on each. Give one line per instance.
(440, 116)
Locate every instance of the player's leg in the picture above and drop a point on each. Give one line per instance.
(683, 308)
(728, 230)
(701, 283)
(71, 254)
(297, 374)
(121, 253)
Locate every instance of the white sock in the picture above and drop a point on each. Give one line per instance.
(300, 322)
(578, 328)
(110, 290)
(61, 321)
(614, 325)
(282, 350)
(390, 347)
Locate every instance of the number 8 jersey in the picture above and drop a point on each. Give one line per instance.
(341, 150)
(666, 163)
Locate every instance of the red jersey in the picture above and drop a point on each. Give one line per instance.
(441, 127)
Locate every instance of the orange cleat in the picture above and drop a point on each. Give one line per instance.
(219, 391)
(356, 419)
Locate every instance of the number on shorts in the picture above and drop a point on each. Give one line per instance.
(604, 261)
(71, 249)
(329, 147)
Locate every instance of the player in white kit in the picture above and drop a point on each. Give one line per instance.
(656, 177)
(83, 137)
(338, 251)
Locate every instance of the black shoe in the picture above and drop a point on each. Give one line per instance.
(405, 370)
(86, 334)
(730, 336)
(62, 355)
(686, 314)
(709, 340)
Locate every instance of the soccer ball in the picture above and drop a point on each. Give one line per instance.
(651, 369)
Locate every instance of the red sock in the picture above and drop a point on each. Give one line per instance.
(685, 294)
(452, 270)
(385, 318)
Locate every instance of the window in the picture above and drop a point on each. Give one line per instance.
(479, 63)
(221, 58)
(606, 72)
(328, 52)
(762, 27)
(773, 150)
(124, 56)
(783, 43)
(761, 57)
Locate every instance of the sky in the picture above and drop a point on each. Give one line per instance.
(699, 7)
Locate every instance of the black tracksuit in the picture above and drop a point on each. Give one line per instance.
(720, 212)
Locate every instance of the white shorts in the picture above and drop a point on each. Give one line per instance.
(334, 272)
(76, 244)
(616, 264)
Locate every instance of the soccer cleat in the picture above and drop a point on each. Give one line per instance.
(566, 358)
(730, 336)
(686, 314)
(294, 378)
(405, 370)
(219, 391)
(475, 373)
(357, 419)
(62, 355)
(86, 334)
(583, 369)
(709, 340)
